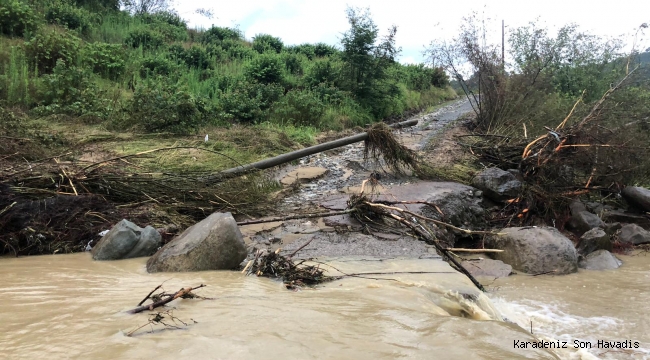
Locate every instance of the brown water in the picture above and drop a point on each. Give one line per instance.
(68, 306)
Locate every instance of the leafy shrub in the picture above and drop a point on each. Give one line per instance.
(216, 34)
(72, 17)
(293, 63)
(323, 72)
(157, 65)
(145, 38)
(16, 18)
(107, 60)
(266, 69)
(236, 49)
(167, 17)
(298, 107)
(49, 46)
(159, 105)
(265, 42)
(70, 90)
(197, 57)
(249, 101)
(322, 50)
(304, 49)
(419, 77)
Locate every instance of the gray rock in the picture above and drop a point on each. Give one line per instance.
(497, 184)
(577, 207)
(594, 239)
(634, 234)
(600, 260)
(127, 240)
(535, 250)
(637, 196)
(612, 228)
(458, 204)
(584, 221)
(487, 267)
(214, 243)
(627, 217)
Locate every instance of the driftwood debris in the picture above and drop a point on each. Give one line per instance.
(163, 299)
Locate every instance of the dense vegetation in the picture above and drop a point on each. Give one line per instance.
(145, 70)
(567, 111)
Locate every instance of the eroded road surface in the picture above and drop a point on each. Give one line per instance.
(326, 180)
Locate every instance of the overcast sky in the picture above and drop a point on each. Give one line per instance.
(418, 21)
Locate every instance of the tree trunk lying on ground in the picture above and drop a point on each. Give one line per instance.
(295, 155)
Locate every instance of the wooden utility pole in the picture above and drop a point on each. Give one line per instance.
(503, 45)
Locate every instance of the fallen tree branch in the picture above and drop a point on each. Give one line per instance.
(294, 217)
(168, 299)
(428, 238)
(475, 250)
(437, 222)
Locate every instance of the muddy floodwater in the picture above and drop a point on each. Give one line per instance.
(70, 307)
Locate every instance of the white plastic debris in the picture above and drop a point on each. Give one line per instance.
(103, 233)
(88, 247)
(206, 137)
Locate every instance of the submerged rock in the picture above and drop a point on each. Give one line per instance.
(126, 240)
(637, 196)
(487, 267)
(497, 184)
(214, 243)
(594, 239)
(536, 250)
(600, 260)
(634, 234)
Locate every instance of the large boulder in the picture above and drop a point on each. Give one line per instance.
(638, 197)
(600, 260)
(584, 221)
(126, 240)
(535, 250)
(634, 234)
(215, 243)
(461, 205)
(594, 239)
(497, 184)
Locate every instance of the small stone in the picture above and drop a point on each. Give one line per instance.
(594, 239)
(600, 260)
(634, 234)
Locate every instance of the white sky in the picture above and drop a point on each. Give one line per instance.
(418, 21)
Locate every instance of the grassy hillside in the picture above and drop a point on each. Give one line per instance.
(151, 73)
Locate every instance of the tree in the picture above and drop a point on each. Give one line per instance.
(367, 60)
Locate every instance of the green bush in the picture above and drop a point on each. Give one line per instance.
(72, 17)
(144, 37)
(16, 18)
(249, 101)
(107, 60)
(237, 49)
(157, 65)
(70, 90)
(197, 57)
(167, 17)
(293, 63)
(216, 34)
(265, 42)
(304, 49)
(266, 68)
(159, 105)
(322, 50)
(325, 71)
(298, 107)
(49, 46)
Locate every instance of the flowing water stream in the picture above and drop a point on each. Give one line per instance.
(70, 307)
